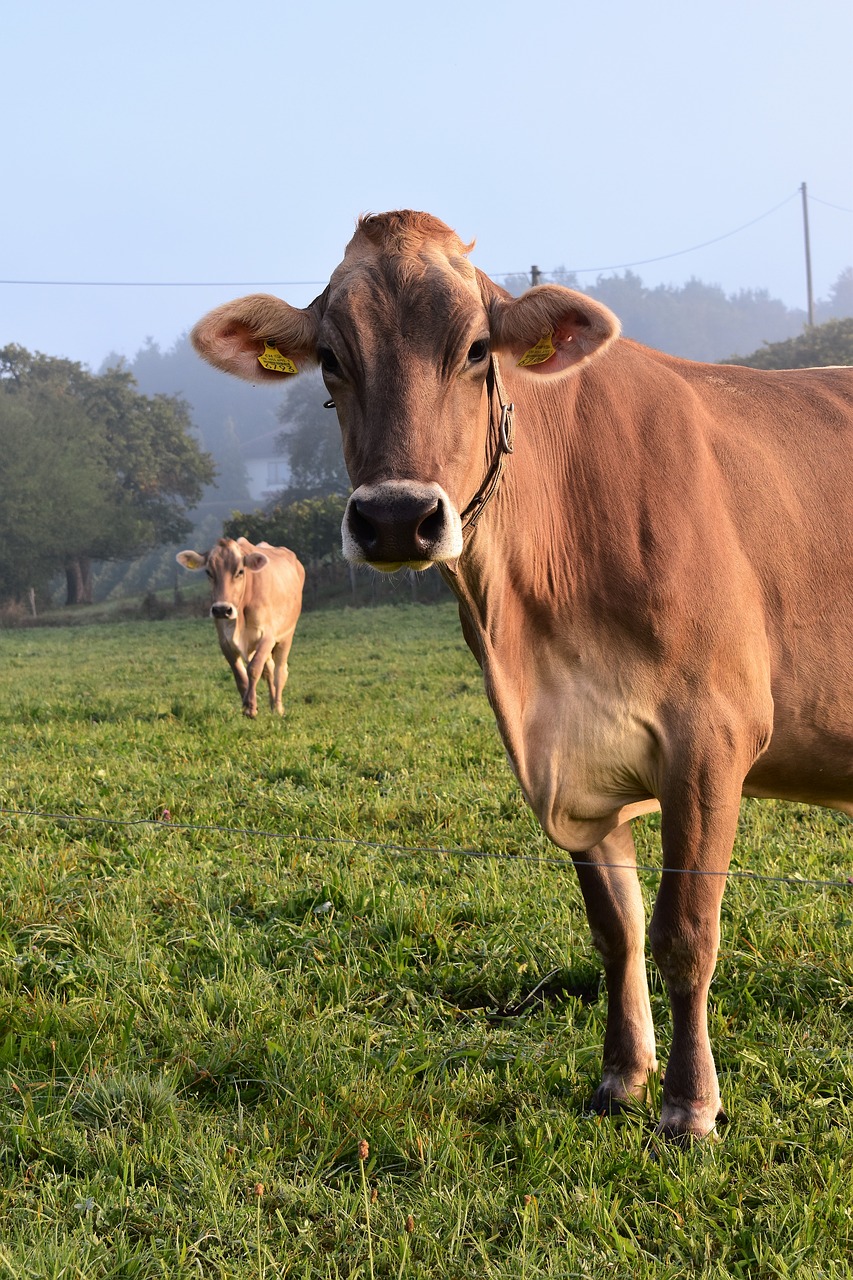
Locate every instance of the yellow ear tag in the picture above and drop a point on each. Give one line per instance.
(543, 351)
(273, 360)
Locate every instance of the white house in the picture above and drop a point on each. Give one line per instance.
(267, 472)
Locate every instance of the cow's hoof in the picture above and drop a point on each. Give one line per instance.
(614, 1096)
(683, 1122)
(605, 1103)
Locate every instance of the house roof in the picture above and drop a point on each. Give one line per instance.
(262, 446)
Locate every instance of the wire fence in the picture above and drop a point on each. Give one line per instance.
(166, 823)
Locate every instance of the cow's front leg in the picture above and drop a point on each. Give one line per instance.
(238, 670)
(255, 670)
(698, 827)
(614, 908)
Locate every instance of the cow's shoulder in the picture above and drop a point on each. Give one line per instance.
(639, 386)
(278, 584)
(283, 555)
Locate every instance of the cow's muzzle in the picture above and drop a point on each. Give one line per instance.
(401, 522)
(223, 610)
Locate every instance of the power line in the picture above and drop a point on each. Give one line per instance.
(641, 262)
(843, 208)
(287, 284)
(171, 284)
(397, 850)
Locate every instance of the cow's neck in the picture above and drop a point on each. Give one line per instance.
(526, 537)
(519, 580)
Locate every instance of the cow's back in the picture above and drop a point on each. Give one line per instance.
(273, 599)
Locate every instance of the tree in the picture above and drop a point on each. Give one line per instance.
(311, 440)
(698, 320)
(52, 490)
(226, 411)
(839, 304)
(311, 527)
(822, 344)
(93, 469)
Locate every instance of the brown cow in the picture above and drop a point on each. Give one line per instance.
(654, 569)
(257, 600)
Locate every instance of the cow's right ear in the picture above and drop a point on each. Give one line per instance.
(255, 561)
(260, 338)
(191, 559)
(551, 330)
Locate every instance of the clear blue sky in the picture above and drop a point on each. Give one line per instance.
(190, 141)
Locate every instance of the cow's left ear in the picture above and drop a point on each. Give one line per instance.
(255, 561)
(260, 338)
(191, 559)
(551, 330)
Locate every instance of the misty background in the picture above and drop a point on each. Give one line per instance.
(161, 161)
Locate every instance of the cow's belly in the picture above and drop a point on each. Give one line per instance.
(583, 752)
(812, 766)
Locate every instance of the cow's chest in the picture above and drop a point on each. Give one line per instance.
(579, 737)
(239, 635)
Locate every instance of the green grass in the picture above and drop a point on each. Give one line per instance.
(197, 1027)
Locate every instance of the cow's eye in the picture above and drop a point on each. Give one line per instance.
(478, 351)
(329, 361)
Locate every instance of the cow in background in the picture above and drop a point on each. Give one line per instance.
(257, 600)
(653, 560)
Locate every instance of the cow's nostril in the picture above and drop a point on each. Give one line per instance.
(431, 527)
(362, 529)
(400, 522)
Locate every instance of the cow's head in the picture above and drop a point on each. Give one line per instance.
(403, 335)
(226, 565)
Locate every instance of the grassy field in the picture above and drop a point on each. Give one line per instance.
(199, 1026)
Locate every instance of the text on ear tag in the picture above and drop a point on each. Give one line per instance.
(272, 359)
(543, 351)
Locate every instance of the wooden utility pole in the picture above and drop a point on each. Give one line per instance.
(808, 254)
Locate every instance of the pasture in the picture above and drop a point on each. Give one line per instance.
(198, 1025)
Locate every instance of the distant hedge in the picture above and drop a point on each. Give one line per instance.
(310, 527)
(822, 344)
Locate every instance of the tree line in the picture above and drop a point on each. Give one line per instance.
(90, 469)
(93, 469)
(824, 344)
(696, 320)
(307, 516)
